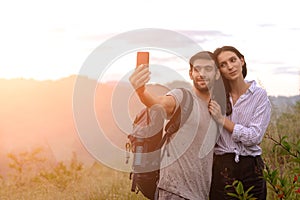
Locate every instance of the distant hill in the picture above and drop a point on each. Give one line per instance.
(39, 114)
(282, 104)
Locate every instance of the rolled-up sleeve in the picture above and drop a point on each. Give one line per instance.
(253, 133)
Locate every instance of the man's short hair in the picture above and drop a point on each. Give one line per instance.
(207, 55)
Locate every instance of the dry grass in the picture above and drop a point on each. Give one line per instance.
(74, 181)
(65, 182)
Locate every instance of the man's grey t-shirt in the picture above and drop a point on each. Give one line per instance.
(188, 168)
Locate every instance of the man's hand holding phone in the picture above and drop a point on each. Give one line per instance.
(141, 75)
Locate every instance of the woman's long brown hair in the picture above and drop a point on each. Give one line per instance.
(226, 83)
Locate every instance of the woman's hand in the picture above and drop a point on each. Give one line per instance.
(139, 78)
(215, 111)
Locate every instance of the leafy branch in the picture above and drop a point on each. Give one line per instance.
(239, 191)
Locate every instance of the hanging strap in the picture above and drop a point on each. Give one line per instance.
(178, 119)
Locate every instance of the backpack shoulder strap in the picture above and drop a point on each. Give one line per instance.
(182, 113)
(180, 116)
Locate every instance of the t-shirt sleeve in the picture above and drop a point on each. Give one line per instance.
(178, 96)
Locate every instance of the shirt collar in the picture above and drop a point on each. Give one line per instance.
(252, 86)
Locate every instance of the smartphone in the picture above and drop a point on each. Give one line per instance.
(142, 58)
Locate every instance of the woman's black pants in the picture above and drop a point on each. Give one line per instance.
(249, 170)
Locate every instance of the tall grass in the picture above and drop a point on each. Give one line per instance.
(33, 177)
(71, 181)
(281, 152)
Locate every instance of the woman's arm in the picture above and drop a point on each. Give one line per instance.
(250, 134)
(253, 133)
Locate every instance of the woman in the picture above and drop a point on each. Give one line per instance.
(237, 152)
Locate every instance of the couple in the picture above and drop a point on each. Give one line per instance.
(191, 174)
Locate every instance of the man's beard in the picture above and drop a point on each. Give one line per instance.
(199, 88)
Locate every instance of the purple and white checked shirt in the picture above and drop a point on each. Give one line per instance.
(251, 116)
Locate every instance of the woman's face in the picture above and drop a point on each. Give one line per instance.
(230, 65)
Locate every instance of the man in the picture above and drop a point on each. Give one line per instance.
(186, 170)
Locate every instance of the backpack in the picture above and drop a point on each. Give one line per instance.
(147, 139)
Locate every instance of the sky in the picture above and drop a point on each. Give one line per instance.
(52, 39)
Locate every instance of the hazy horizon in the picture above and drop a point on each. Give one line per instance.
(109, 81)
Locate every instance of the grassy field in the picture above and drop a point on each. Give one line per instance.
(75, 181)
(72, 182)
